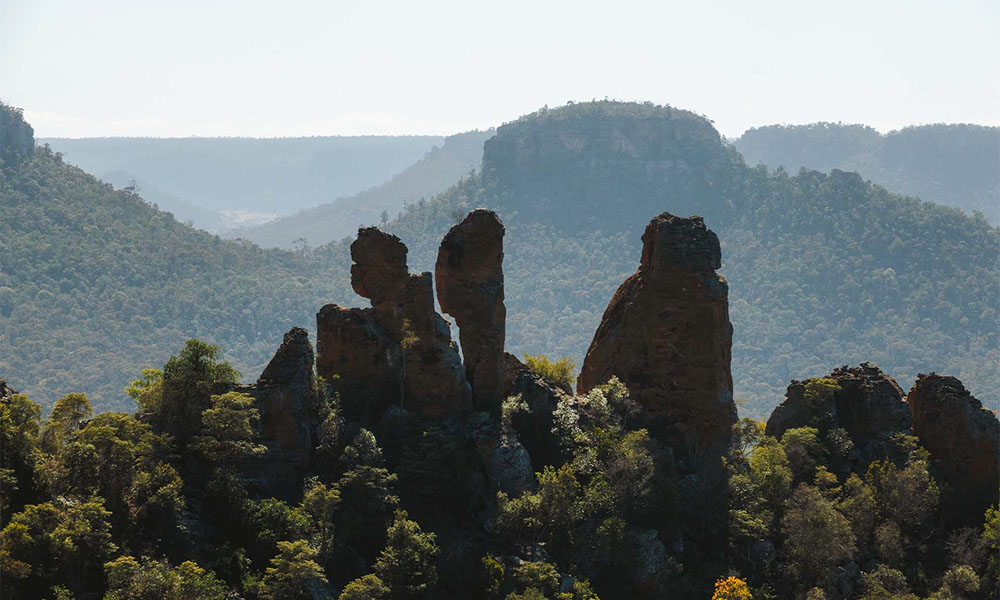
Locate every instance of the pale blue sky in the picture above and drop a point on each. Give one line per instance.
(289, 68)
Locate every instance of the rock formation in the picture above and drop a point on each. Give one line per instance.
(397, 352)
(285, 394)
(869, 406)
(963, 439)
(666, 335)
(286, 398)
(469, 277)
(534, 427)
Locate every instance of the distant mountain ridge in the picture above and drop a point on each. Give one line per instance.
(267, 177)
(438, 170)
(953, 165)
(824, 269)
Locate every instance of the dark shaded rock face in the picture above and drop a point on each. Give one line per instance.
(285, 394)
(469, 277)
(963, 439)
(5, 392)
(397, 352)
(534, 428)
(666, 335)
(287, 403)
(869, 406)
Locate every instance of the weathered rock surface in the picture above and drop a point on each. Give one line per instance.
(869, 406)
(469, 277)
(397, 352)
(286, 398)
(285, 393)
(534, 428)
(963, 439)
(666, 334)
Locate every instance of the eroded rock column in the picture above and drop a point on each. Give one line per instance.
(469, 277)
(666, 335)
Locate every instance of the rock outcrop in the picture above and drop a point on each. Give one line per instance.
(469, 277)
(397, 352)
(868, 405)
(963, 439)
(17, 138)
(666, 335)
(285, 393)
(286, 398)
(540, 398)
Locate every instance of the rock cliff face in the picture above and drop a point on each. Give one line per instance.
(869, 406)
(666, 335)
(17, 138)
(469, 277)
(397, 352)
(963, 439)
(285, 394)
(534, 428)
(286, 399)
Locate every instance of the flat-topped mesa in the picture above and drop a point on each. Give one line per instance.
(469, 278)
(666, 335)
(867, 404)
(963, 439)
(397, 352)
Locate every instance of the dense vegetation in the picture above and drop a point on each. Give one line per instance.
(824, 269)
(242, 177)
(96, 284)
(954, 165)
(437, 171)
(167, 503)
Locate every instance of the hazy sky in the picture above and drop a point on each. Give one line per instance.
(288, 68)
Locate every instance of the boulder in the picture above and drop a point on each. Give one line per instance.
(666, 335)
(963, 439)
(869, 406)
(469, 277)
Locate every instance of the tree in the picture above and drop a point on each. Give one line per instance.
(68, 413)
(817, 536)
(128, 579)
(292, 570)
(20, 420)
(731, 588)
(369, 587)
(559, 371)
(408, 565)
(227, 431)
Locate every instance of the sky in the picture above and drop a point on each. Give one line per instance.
(293, 68)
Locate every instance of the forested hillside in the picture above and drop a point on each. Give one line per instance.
(954, 165)
(824, 269)
(243, 180)
(96, 284)
(438, 170)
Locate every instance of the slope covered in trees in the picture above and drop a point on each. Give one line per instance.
(244, 177)
(96, 284)
(825, 269)
(438, 170)
(954, 165)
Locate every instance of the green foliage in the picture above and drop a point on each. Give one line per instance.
(128, 579)
(817, 536)
(292, 570)
(559, 371)
(408, 566)
(68, 413)
(20, 421)
(227, 430)
(368, 587)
